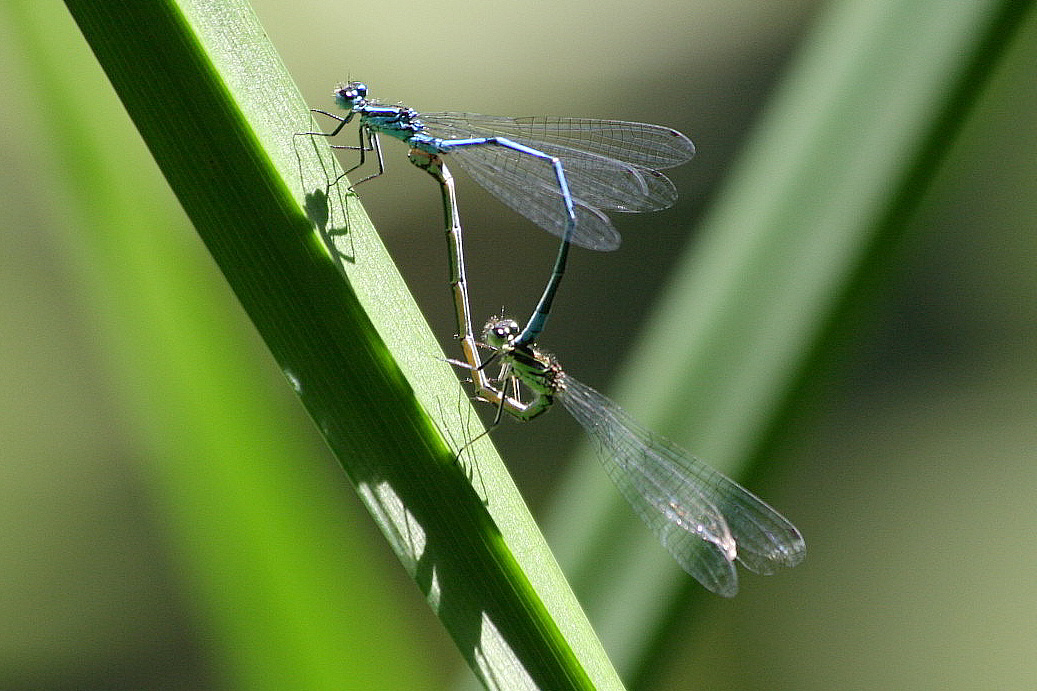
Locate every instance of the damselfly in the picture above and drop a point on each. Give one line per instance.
(561, 173)
(706, 520)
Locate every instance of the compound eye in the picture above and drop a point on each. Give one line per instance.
(507, 330)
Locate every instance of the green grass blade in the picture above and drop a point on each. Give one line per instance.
(209, 97)
(255, 547)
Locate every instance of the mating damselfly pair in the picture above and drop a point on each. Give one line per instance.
(564, 174)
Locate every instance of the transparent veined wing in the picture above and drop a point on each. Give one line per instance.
(529, 186)
(691, 528)
(609, 182)
(647, 146)
(703, 518)
(606, 167)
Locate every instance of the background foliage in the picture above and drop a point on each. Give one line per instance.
(910, 476)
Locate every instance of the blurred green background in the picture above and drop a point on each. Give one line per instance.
(912, 476)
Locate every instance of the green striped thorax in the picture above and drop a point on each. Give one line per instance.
(538, 370)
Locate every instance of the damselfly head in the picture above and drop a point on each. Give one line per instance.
(351, 96)
(499, 331)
